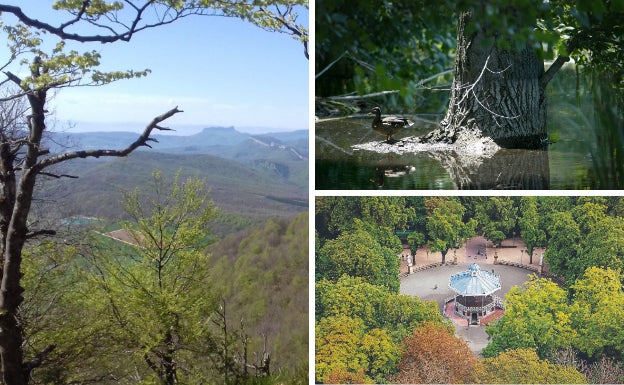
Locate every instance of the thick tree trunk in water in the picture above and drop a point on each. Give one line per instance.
(496, 93)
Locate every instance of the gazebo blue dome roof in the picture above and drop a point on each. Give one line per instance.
(474, 282)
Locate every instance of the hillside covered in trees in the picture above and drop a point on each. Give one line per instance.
(173, 303)
(251, 177)
(550, 333)
(88, 308)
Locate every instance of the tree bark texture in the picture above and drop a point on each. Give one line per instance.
(11, 328)
(496, 93)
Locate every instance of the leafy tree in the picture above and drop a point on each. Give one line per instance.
(367, 324)
(432, 354)
(496, 217)
(343, 346)
(366, 47)
(523, 366)
(537, 316)
(588, 212)
(40, 47)
(563, 253)
(53, 313)
(337, 340)
(598, 313)
(569, 254)
(530, 231)
(342, 376)
(418, 221)
(358, 254)
(374, 305)
(445, 225)
(155, 288)
(604, 246)
(548, 205)
(262, 276)
(108, 22)
(616, 206)
(382, 354)
(337, 214)
(386, 211)
(383, 234)
(415, 240)
(350, 296)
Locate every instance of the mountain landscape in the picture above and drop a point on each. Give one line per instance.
(251, 177)
(257, 255)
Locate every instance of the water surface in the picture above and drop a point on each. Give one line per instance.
(578, 156)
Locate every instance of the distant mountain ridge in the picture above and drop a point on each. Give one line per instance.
(250, 176)
(280, 151)
(208, 139)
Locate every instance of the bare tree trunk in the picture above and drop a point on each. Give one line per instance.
(496, 93)
(164, 363)
(11, 330)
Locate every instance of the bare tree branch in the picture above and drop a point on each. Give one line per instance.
(291, 26)
(552, 70)
(38, 360)
(112, 37)
(37, 233)
(58, 176)
(141, 141)
(114, 29)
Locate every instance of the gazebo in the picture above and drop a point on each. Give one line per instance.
(474, 293)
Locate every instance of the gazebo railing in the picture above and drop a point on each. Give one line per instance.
(475, 309)
(496, 302)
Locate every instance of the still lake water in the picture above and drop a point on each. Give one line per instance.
(341, 166)
(576, 159)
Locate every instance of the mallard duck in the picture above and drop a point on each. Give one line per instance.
(389, 125)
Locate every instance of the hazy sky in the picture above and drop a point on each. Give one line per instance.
(220, 71)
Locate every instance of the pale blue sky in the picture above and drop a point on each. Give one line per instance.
(220, 71)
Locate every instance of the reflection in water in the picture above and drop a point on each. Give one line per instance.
(469, 167)
(506, 169)
(587, 126)
(347, 157)
(390, 167)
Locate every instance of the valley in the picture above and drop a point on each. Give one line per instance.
(251, 177)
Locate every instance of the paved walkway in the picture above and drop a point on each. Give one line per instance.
(432, 284)
(475, 250)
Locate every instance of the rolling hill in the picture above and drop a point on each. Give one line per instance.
(251, 177)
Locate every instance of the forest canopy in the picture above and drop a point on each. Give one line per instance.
(568, 330)
(409, 47)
